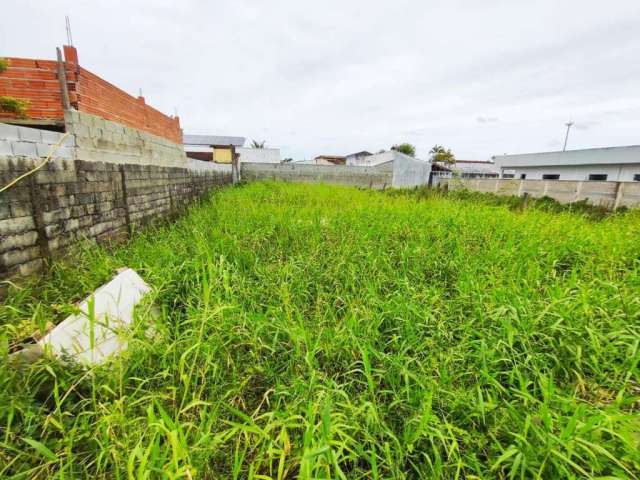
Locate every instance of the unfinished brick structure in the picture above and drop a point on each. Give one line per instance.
(38, 82)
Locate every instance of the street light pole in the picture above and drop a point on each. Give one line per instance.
(566, 137)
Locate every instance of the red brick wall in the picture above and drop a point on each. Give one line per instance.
(37, 81)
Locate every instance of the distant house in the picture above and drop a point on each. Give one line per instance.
(382, 159)
(357, 158)
(211, 148)
(329, 160)
(618, 164)
(406, 171)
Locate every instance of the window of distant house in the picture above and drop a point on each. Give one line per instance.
(598, 176)
(636, 177)
(550, 176)
(523, 176)
(508, 175)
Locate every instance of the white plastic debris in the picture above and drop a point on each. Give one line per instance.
(93, 335)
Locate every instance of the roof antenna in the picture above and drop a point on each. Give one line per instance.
(569, 124)
(68, 24)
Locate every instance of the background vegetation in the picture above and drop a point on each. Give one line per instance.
(440, 154)
(327, 332)
(405, 148)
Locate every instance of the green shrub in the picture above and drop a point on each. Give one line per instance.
(14, 105)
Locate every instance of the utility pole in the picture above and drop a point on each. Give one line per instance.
(569, 124)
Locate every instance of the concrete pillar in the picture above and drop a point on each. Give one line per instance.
(578, 191)
(619, 195)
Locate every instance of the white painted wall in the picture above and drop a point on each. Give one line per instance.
(409, 172)
(615, 173)
(259, 155)
(618, 163)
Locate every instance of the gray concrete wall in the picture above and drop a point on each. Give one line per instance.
(607, 194)
(71, 200)
(104, 181)
(100, 140)
(33, 143)
(370, 177)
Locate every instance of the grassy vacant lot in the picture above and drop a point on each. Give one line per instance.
(327, 332)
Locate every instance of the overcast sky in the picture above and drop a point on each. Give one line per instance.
(332, 77)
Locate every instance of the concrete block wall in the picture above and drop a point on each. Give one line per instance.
(102, 140)
(71, 200)
(606, 194)
(369, 177)
(32, 142)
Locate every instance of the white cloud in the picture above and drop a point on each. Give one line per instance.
(331, 77)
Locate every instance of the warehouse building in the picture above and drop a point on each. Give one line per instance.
(617, 164)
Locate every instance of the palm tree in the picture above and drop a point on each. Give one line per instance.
(256, 144)
(440, 154)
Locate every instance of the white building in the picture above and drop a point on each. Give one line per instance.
(378, 159)
(259, 155)
(357, 158)
(407, 171)
(618, 164)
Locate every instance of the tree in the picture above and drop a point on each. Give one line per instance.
(405, 148)
(287, 160)
(440, 154)
(256, 144)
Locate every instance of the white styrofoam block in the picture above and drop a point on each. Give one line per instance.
(92, 335)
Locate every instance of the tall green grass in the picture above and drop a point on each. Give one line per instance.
(328, 332)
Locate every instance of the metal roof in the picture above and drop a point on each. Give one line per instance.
(359, 154)
(587, 156)
(212, 140)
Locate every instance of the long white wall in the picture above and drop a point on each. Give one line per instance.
(615, 173)
(259, 155)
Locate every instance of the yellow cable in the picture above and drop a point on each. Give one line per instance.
(52, 150)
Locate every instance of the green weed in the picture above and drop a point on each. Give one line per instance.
(328, 332)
